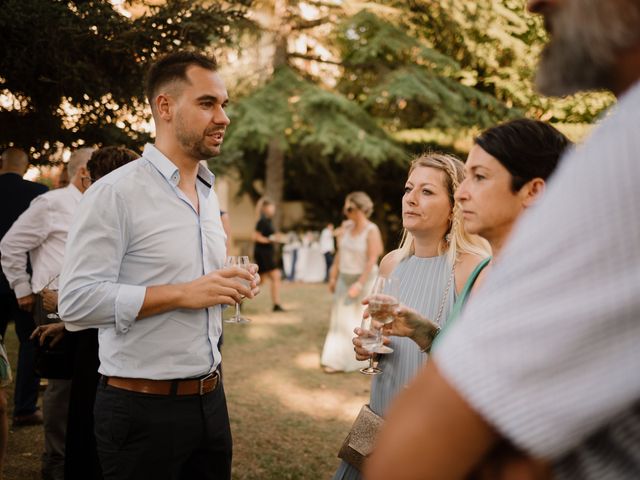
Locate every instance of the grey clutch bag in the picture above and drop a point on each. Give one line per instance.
(359, 442)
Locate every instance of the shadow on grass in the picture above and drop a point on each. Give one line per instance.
(288, 417)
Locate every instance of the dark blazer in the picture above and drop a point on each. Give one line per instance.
(15, 196)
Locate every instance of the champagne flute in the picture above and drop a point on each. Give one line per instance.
(242, 262)
(383, 302)
(369, 341)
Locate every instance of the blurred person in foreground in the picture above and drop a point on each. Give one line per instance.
(539, 376)
(81, 457)
(147, 271)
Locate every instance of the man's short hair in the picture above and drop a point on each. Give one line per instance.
(107, 159)
(78, 159)
(173, 67)
(15, 159)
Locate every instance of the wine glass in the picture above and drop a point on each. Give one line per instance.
(369, 341)
(383, 301)
(242, 262)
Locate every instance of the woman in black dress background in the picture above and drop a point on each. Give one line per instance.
(264, 251)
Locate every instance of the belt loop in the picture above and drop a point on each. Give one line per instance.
(174, 387)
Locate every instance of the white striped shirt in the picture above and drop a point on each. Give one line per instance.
(548, 349)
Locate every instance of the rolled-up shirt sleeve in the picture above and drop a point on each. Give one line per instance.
(90, 293)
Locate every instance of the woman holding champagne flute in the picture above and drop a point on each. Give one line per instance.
(431, 265)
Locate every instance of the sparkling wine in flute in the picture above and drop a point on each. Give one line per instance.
(370, 339)
(381, 308)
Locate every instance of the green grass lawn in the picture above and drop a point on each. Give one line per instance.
(288, 418)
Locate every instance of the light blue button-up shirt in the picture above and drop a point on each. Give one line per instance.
(135, 228)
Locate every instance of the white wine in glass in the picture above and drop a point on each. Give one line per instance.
(383, 301)
(370, 340)
(242, 262)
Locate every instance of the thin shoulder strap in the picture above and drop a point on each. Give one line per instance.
(461, 301)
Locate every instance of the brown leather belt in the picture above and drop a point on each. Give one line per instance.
(196, 386)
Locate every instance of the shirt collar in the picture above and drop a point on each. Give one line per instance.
(170, 171)
(75, 193)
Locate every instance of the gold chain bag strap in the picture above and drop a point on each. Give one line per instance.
(358, 444)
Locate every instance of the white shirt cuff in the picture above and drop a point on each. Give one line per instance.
(22, 289)
(128, 304)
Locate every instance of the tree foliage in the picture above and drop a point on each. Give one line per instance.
(352, 89)
(71, 72)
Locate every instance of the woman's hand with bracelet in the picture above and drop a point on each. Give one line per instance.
(409, 323)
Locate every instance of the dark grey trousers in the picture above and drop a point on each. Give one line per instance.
(55, 407)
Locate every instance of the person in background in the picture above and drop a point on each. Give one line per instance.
(543, 362)
(263, 253)
(328, 246)
(81, 456)
(5, 380)
(40, 234)
(350, 279)
(15, 196)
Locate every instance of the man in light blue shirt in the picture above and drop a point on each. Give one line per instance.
(147, 270)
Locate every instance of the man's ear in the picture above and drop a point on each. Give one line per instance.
(83, 171)
(164, 106)
(532, 191)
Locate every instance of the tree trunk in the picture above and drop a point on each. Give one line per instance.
(274, 176)
(274, 181)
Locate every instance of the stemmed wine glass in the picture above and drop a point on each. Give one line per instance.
(383, 301)
(241, 261)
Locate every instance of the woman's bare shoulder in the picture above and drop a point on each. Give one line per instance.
(390, 261)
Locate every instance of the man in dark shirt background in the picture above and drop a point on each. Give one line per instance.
(15, 196)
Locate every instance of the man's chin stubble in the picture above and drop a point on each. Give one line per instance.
(569, 73)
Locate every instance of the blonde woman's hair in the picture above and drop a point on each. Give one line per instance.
(456, 241)
(362, 201)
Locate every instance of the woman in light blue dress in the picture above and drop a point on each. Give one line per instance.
(431, 265)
